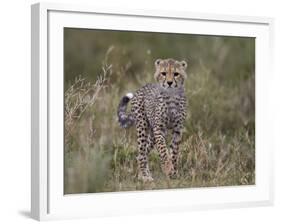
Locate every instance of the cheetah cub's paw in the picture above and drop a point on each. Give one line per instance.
(145, 179)
(168, 167)
(174, 174)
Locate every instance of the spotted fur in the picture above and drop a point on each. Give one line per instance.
(157, 108)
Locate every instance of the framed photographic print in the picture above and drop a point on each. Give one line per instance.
(138, 111)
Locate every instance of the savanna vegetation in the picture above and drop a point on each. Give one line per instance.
(218, 147)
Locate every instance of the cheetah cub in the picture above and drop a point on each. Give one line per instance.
(157, 108)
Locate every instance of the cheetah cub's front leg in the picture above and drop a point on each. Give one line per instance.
(143, 144)
(166, 161)
(175, 151)
(177, 136)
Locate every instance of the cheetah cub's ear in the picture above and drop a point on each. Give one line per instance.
(157, 62)
(157, 68)
(183, 64)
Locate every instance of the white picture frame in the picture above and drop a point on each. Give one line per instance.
(48, 201)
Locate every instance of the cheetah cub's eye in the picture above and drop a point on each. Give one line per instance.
(163, 73)
(176, 74)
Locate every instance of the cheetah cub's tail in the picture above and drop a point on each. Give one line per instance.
(125, 120)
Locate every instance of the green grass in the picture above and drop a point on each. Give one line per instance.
(218, 147)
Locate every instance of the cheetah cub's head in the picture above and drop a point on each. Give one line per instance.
(170, 73)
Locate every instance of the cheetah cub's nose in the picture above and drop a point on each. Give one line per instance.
(170, 83)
